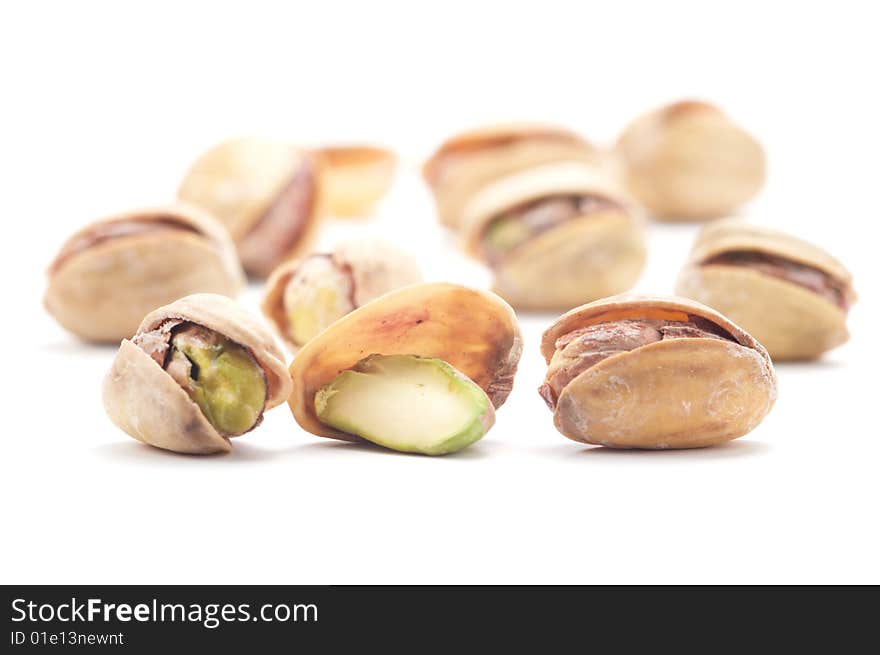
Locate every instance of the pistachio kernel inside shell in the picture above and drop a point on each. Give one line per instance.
(406, 403)
(809, 277)
(519, 224)
(318, 293)
(220, 376)
(585, 347)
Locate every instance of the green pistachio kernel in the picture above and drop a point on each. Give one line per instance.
(221, 377)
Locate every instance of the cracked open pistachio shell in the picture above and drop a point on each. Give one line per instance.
(109, 274)
(469, 160)
(354, 178)
(265, 192)
(791, 295)
(555, 236)
(473, 332)
(689, 161)
(197, 372)
(649, 372)
(305, 296)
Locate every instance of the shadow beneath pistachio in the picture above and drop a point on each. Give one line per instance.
(730, 450)
(140, 453)
(476, 451)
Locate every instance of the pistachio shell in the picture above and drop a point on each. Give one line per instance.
(472, 159)
(474, 331)
(101, 288)
(142, 399)
(688, 161)
(588, 257)
(790, 320)
(677, 393)
(375, 268)
(354, 178)
(245, 182)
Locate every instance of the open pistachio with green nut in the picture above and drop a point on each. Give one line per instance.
(266, 193)
(305, 296)
(472, 159)
(650, 372)
(791, 295)
(354, 178)
(109, 274)
(555, 236)
(420, 369)
(689, 161)
(198, 372)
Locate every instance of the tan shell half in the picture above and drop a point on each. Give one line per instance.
(146, 402)
(354, 178)
(240, 180)
(585, 258)
(689, 161)
(474, 331)
(376, 268)
(472, 159)
(101, 285)
(678, 393)
(791, 321)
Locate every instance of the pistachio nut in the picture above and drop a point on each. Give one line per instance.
(451, 341)
(791, 295)
(354, 178)
(197, 372)
(265, 192)
(472, 159)
(109, 274)
(305, 296)
(648, 372)
(555, 236)
(689, 161)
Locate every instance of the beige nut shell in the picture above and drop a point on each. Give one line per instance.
(354, 178)
(585, 258)
(689, 161)
(474, 331)
(376, 268)
(102, 291)
(239, 180)
(146, 402)
(679, 393)
(791, 321)
(472, 159)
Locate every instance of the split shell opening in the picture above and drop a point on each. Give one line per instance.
(267, 194)
(111, 273)
(303, 297)
(471, 332)
(654, 373)
(555, 236)
(197, 372)
(789, 294)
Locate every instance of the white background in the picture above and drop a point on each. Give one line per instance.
(104, 106)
